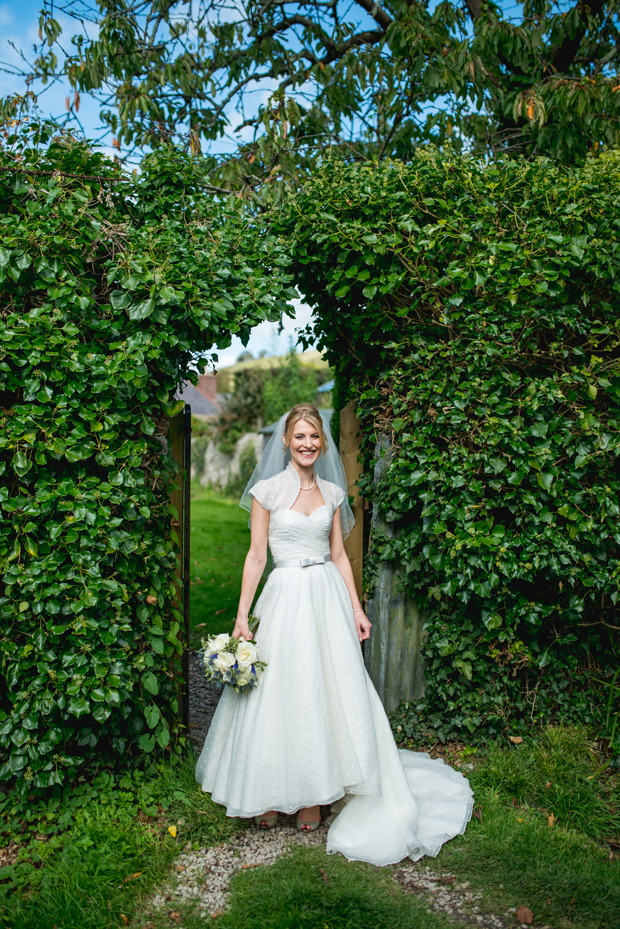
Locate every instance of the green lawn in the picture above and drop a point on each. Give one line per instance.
(548, 832)
(219, 541)
(92, 855)
(545, 835)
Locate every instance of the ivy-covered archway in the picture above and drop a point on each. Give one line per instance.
(470, 312)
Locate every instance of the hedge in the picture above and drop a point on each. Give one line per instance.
(113, 289)
(472, 309)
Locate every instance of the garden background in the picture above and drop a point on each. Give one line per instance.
(466, 304)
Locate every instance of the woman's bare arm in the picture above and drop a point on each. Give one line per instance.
(255, 562)
(340, 559)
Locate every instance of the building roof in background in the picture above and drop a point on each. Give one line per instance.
(201, 406)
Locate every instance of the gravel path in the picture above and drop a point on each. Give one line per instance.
(203, 875)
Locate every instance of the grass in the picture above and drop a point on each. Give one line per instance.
(220, 539)
(103, 848)
(92, 856)
(308, 889)
(557, 775)
(548, 825)
(547, 818)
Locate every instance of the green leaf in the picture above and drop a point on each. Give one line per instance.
(21, 465)
(540, 430)
(146, 743)
(544, 480)
(173, 408)
(149, 682)
(163, 737)
(493, 621)
(120, 299)
(152, 715)
(464, 667)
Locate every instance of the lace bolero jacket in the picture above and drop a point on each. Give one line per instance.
(280, 491)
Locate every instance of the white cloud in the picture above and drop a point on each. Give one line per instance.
(265, 337)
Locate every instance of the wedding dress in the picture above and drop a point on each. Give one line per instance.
(314, 730)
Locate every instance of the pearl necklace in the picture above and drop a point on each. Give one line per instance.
(311, 485)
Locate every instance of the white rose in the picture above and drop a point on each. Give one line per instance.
(224, 661)
(246, 654)
(218, 642)
(245, 677)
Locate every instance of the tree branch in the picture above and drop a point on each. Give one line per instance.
(378, 14)
(600, 64)
(564, 54)
(475, 8)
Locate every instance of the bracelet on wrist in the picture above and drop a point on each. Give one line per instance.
(359, 610)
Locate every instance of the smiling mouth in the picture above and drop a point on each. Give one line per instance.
(308, 454)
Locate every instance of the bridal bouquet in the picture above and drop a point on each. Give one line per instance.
(231, 661)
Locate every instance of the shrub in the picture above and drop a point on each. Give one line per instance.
(112, 290)
(471, 309)
(288, 385)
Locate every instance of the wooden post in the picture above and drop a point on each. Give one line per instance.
(392, 654)
(349, 452)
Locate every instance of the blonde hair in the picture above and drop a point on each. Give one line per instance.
(309, 413)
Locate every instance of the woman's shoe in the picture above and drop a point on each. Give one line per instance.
(312, 823)
(266, 822)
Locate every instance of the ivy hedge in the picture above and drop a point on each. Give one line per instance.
(112, 291)
(474, 311)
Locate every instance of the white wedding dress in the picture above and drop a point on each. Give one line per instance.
(314, 730)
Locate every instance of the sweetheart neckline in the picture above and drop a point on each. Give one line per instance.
(304, 514)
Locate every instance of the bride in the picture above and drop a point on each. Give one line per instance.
(313, 732)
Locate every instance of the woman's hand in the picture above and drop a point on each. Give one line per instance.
(362, 625)
(242, 630)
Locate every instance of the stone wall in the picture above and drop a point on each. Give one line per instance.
(219, 469)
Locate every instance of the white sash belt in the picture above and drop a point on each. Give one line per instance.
(303, 562)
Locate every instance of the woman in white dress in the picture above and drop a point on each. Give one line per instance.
(313, 732)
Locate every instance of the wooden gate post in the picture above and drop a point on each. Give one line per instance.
(392, 654)
(349, 451)
(179, 439)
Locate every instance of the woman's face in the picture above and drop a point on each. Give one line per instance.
(305, 444)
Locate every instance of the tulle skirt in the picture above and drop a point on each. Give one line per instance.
(314, 731)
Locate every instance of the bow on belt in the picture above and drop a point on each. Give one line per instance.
(303, 562)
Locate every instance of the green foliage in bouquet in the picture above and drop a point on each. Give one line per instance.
(112, 291)
(473, 310)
